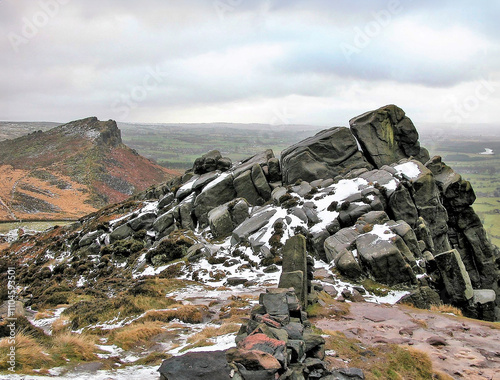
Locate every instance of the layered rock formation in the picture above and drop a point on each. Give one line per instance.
(386, 212)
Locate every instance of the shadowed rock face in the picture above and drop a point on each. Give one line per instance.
(326, 155)
(386, 135)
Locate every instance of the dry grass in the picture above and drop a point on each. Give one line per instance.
(420, 322)
(60, 325)
(135, 334)
(29, 353)
(68, 346)
(327, 307)
(184, 313)
(447, 309)
(212, 332)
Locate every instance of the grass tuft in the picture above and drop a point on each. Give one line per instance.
(135, 334)
(447, 309)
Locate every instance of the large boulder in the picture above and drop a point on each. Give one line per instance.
(455, 278)
(216, 193)
(225, 218)
(327, 154)
(245, 188)
(196, 365)
(386, 135)
(383, 260)
(210, 162)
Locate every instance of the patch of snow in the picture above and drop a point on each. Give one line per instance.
(391, 298)
(392, 185)
(382, 231)
(81, 282)
(139, 372)
(46, 323)
(150, 206)
(408, 169)
(217, 180)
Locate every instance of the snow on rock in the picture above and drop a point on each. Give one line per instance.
(409, 169)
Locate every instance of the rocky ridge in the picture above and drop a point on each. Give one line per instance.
(70, 171)
(407, 224)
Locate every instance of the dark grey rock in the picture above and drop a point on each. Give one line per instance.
(196, 365)
(386, 135)
(326, 155)
(245, 188)
(455, 277)
(143, 221)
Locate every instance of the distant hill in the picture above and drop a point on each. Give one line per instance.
(14, 129)
(71, 170)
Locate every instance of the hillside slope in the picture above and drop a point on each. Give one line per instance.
(71, 170)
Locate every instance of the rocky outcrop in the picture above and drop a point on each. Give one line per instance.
(377, 213)
(211, 162)
(387, 135)
(328, 154)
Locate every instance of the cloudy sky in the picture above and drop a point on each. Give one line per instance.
(315, 62)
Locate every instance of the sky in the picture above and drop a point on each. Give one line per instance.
(315, 62)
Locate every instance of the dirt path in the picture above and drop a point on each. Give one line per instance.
(9, 211)
(471, 350)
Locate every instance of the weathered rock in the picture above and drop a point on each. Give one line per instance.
(260, 158)
(326, 155)
(343, 239)
(253, 360)
(122, 232)
(249, 226)
(260, 182)
(274, 170)
(89, 238)
(185, 210)
(196, 365)
(143, 221)
(163, 222)
(386, 135)
(422, 298)
(166, 200)
(402, 207)
(383, 260)
(245, 188)
(205, 179)
(455, 278)
(216, 193)
(294, 256)
(426, 197)
(210, 162)
(275, 301)
(456, 191)
(347, 264)
(223, 219)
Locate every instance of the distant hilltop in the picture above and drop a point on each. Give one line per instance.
(71, 170)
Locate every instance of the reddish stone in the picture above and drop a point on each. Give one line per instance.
(253, 360)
